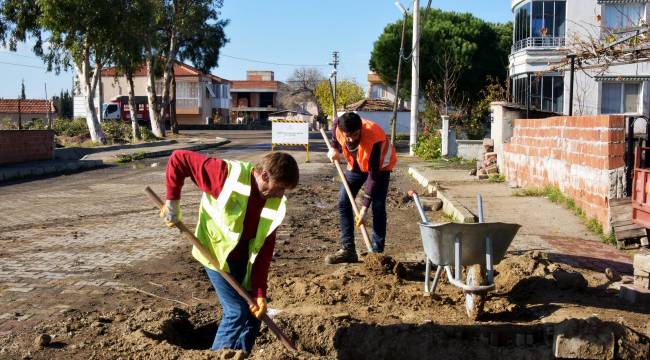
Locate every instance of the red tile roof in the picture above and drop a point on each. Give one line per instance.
(27, 106)
(373, 105)
(254, 84)
(180, 69)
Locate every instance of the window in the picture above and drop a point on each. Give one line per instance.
(548, 18)
(539, 23)
(622, 15)
(522, 22)
(546, 92)
(617, 98)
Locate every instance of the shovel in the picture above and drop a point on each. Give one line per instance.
(355, 209)
(234, 283)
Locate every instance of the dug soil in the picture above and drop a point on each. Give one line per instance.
(372, 309)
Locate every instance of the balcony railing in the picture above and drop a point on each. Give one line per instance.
(538, 42)
(187, 103)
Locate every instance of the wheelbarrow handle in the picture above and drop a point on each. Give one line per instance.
(418, 205)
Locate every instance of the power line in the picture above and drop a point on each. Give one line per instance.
(16, 54)
(23, 65)
(224, 55)
(272, 63)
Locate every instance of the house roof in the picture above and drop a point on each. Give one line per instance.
(374, 78)
(373, 105)
(253, 85)
(289, 112)
(180, 70)
(27, 106)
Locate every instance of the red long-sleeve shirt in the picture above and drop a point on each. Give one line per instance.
(209, 174)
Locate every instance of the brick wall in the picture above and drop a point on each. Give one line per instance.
(582, 156)
(26, 145)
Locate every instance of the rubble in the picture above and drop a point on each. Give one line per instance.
(487, 163)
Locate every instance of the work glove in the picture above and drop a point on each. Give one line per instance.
(333, 154)
(361, 218)
(171, 212)
(260, 309)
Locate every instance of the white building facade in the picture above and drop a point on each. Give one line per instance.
(544, 33)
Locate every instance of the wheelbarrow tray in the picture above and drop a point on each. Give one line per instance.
(438, 241)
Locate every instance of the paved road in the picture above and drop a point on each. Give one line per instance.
(58, 235)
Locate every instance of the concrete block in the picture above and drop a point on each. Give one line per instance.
(634, 294)
(583, 339)
(638, 272)
(642, 282)
(642, 262)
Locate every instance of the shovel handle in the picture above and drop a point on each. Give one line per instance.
(234, 283)
(355, 209)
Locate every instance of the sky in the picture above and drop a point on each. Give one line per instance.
(298, 33)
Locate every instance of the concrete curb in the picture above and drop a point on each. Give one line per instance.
(450, 206)
(19, 172)
(78, 153)
(113, 159)
(57, 167)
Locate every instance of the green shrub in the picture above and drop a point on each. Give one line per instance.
(428, 146)
(117, 131)
(70, 127)
(496, 178)
(36, 124)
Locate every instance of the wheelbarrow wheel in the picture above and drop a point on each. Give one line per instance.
(474, 301)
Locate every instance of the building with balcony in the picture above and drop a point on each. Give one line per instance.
(201, 98)
(544, 32)
(255, 98)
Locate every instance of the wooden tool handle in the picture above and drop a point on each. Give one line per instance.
(355, 209)
(215, 263)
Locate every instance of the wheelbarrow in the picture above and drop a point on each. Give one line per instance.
(478, 247)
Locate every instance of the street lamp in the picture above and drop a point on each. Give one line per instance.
(401, 8)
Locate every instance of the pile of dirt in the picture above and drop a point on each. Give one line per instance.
(379, 264)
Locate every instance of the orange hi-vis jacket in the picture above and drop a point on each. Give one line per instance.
(371, 133)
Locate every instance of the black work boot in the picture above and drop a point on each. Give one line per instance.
(342, 256)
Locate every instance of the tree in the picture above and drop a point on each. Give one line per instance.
(128, 50)
(347, 92)
(22, 90)
(65, 104)
(182, 29)
(81, 33)
(478, 47)
(19, 20)
(301, 89)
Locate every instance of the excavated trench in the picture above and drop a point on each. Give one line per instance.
(346, 338)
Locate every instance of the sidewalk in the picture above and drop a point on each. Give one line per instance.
(546, 226)
(71, 160)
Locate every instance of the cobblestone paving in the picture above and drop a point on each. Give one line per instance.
(63, 237)
(57, 241)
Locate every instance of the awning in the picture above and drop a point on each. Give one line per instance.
(622, 78)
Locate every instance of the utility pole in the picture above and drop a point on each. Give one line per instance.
(415, 79)
(100, 95)
(334, 63)
(49, 112)
(393, 122)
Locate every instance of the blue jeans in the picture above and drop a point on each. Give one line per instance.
(378, 207)
(238, 327)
